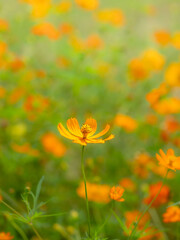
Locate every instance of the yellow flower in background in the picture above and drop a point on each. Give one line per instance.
(126, 122)
(77, 43)
(112, 16)
(2, 92)
(40, 8)
(46, 29)
(88, 4)
(153, 59)
(96, 192)
(18, 130)
(172, 74)
(3, 25)
(172, 214)
(25, 149)
(3, 48)
(85, 134)
(168, 160)
(162, 37)
(94, 42)
(127, 184)
(176, 40)
(167, 106)
(153, 96)
(138, 69)
(53, 145)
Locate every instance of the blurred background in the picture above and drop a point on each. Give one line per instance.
(116, 61)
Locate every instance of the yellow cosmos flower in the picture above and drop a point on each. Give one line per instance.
(168, 160)
(85, 134)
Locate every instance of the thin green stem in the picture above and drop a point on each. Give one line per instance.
(18, 229)
(36, 232)
(147, 208)
(87, 203)
(17, 213)
(12, 209)
(158, 223)
(123, 226)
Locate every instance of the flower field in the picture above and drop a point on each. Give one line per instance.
(89, 120)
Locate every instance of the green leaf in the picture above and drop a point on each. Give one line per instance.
(38, 190)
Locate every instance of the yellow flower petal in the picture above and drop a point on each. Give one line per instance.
(109, 138)
(65, 133)
(102, 132)
(73, 127)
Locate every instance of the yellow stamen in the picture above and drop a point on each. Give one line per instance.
(85, 129)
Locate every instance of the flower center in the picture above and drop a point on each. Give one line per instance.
(85, 129)
(171, 161)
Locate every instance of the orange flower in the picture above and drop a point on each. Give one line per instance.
(162, 37)
(163, 196)
(46, 29)
(1, 198)
(3, 48)
(3, 25)
(153, 59)
(2, 92)
(128, 184)
(168, 160)
(16, 95)
(41, 74)
(96, 192)
(65, 28)
(88, 4)
(25, 148)
(85, 134)
(5, 236)
(172, 74)
(171, 125)
(132, 216)
(17, 65)
(172, 214)
(176, 141)
(176, 40)
(94, 42)
(144, 164)
(116, 194)
(35, 104)
(153, 96)
(167, 106)
(126, 122)
(138, 70)
(112, 16)
(151, 119)
(151, 234)
(52, 145)
(140, 165)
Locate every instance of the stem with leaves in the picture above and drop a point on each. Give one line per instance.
(85, 186)
(22, 217)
